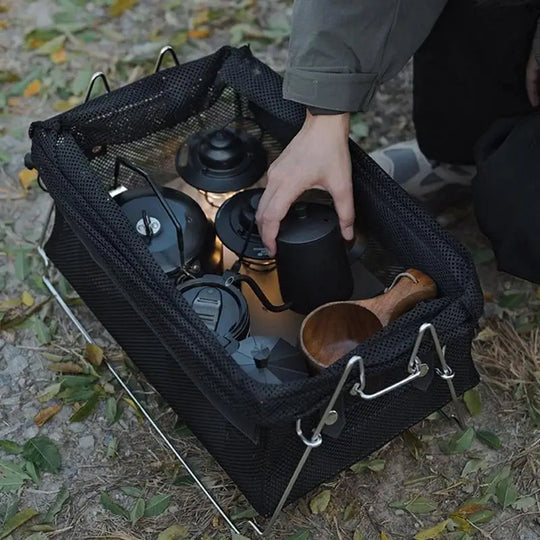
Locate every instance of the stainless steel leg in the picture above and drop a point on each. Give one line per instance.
(132, 396)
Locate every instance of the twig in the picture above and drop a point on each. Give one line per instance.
(512, 519)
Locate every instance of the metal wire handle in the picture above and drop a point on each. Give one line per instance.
(98, 75)
(155, 188)
(164, 51)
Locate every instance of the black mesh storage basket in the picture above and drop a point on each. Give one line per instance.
(247, 426)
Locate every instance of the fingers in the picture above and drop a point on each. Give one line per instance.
(344, 204)
(273, 207)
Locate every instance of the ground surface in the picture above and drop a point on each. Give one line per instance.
(112, 451)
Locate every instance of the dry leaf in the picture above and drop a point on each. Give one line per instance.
(35, 43)
(119, 6)
(319, 503)
(45, 415)
(134, 406)
(10, 303)
(13, 101)
(59, 56)
(201, 18)
(94, 354)
(33, 88)
(27, 299)
(469, 510)
(384, 536)
(63, 105)
(3, 25)
(432, 532)
(199, 33)
(487, 334)
(27, 176)
(66, 367)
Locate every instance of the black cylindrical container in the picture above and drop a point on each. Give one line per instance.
(312, 262)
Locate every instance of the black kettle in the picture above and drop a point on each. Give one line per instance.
(312, 263)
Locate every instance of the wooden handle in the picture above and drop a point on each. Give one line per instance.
(402, 297)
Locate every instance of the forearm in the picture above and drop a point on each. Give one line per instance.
(341, 50)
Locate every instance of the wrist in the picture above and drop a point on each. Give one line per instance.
(334, 123)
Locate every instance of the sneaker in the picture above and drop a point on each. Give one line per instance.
(435, 185)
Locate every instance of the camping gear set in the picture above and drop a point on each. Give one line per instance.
(276, 431)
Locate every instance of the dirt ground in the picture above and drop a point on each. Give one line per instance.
(487, 488)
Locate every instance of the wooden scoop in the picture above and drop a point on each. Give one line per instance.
(332, 330)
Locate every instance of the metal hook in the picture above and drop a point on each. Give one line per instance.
(166, 50)
(398, 277)
(97, 75)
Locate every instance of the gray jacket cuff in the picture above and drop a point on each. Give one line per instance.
(318, 89)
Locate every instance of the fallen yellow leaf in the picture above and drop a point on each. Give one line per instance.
(94, 354)
(135, 408)
(13, 101)
(461, 523)
(63, 105)
(119, 6)
(66, 367)
(59, 56)
(10, 303)
(199, 33)
(3, 8)
(432, 532)
(33, 88)
(3, 25)
(384, 536)
(45, 415)
(27, 299)
(35, 43)
(27, 176)
(201, 18)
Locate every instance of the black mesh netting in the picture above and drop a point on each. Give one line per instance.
(247, 426)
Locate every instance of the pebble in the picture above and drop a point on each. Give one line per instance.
(30, 432)
(87, 442)
(77, 427)
(15, 364)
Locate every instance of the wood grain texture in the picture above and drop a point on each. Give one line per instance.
(332, 330)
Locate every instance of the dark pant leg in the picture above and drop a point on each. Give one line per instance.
(469, 72)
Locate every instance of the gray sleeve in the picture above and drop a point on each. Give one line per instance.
(341, 50)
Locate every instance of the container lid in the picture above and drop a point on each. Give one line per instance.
(234, 220)
(270, 360)
(221, 160)
(147, 215)
(307, 222)
(222, 308)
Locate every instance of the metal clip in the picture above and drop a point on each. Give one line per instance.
(314, 442)
(418, 370)
(166, 50)
(446, 373)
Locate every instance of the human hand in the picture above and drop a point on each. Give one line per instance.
(318, 157)
(533, 80)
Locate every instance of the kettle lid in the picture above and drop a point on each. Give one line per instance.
(307, 222)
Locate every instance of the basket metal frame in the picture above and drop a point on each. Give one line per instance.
(416, 370)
